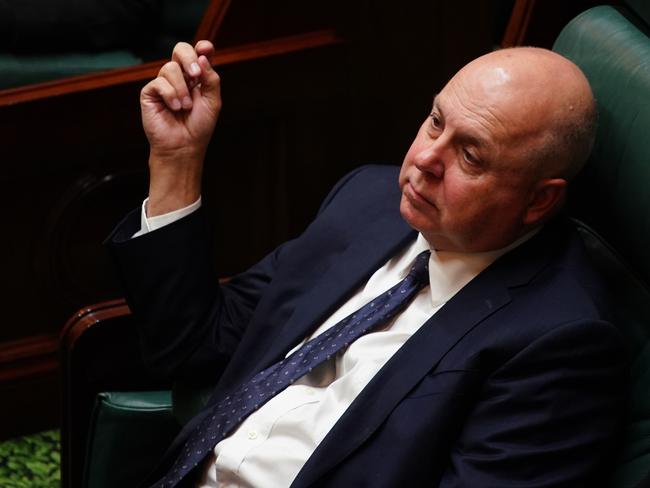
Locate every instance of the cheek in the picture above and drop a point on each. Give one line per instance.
(458, 193)
(464, 202)
(406, 165)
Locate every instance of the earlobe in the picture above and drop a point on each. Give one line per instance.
(546, 200)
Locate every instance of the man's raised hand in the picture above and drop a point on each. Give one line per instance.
(179, 111)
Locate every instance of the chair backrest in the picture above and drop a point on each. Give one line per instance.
(612, 196)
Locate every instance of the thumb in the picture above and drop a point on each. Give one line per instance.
(210, 83)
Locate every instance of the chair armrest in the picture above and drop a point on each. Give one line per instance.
(131, 430)
(99, 352)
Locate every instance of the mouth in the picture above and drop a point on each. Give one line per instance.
(415, 197)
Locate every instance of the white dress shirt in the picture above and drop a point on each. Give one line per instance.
(270, 447)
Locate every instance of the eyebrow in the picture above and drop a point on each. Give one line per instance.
(475, 140)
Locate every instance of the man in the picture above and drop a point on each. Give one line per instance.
(500, 368)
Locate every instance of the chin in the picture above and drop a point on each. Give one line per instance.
(413, 216)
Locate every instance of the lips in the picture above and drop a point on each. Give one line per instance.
(416, 197)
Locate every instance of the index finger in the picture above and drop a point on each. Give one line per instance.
(204, 48)
(185, 55)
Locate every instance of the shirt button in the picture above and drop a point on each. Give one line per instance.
(310, 391)
(252, 434)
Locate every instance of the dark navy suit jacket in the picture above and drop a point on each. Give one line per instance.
(515, 382)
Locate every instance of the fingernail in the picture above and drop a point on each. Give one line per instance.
(195, 69)
(187, 102)
(176, 104)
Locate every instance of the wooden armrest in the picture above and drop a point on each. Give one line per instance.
(99, 352)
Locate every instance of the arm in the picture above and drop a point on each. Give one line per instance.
(179, 112)
(187, 323)
(548, 417)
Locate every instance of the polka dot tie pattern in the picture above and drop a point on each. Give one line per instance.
(226, 415)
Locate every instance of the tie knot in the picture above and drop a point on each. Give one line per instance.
(420, 268)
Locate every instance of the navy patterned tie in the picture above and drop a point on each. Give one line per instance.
(225, 416)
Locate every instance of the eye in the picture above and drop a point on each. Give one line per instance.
(436, 123)
(470, 158)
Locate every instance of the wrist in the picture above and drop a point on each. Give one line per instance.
(173, 186)
(184, 158)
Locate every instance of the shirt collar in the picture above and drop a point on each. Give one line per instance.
(450, 271)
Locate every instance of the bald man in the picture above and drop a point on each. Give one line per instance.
(497, 368)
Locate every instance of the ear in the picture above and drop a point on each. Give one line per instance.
(547, 198)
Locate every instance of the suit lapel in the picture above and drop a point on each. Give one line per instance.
(400, 374)
(349, 270)
(482, 297)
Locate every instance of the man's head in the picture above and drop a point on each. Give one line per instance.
(493, 159)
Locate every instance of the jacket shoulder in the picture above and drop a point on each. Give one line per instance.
(365, 184)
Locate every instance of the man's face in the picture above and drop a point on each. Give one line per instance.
(465, 183)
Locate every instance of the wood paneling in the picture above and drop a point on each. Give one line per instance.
(212, 20)
(99, 351)
(147, 71)
(518, 25)
(29, 385)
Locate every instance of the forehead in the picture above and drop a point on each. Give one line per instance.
(466, 126)
(469, 131)
(488, 110)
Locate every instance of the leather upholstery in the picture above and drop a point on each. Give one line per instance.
(23, 69)
(612, 196)
(614, 199)
(632, 305)
(129, 434)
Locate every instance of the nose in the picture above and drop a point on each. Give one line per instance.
(431, 158)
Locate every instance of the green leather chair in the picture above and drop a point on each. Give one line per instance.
(25, 69)
(612, 196)
(132, 426)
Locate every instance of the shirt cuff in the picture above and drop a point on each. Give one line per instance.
(149, 224)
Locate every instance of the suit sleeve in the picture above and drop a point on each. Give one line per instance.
(188, 324)
(549, 417)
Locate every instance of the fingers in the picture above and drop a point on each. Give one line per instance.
(186, 56)
(188, 69)
(161, 89)
(204, 48)
(210, 82)
(171, 72)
